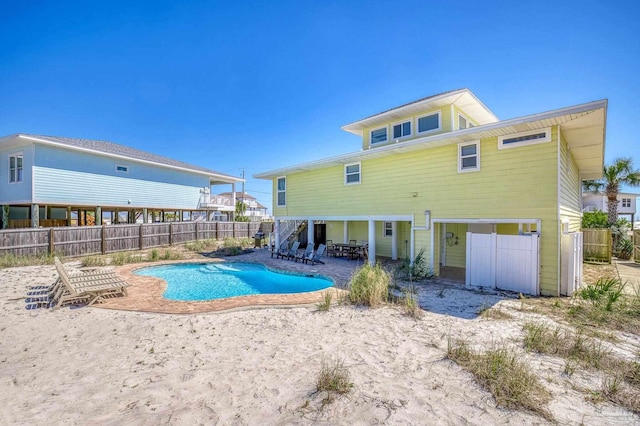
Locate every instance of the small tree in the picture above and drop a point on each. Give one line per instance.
(595, 219)
(241, 208)
(621, 172)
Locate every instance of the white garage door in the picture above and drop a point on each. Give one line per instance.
(507, 262)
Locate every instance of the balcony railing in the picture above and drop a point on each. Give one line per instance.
(216, 202)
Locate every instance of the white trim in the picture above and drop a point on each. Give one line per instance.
(358, 218)
(547, 138)
(435, 112)
(371, 142)
(460, 157)
(451, 118)
(359, 164)
(126, 168)
(278, 192)
(400, 123)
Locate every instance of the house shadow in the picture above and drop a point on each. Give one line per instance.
(446, 297)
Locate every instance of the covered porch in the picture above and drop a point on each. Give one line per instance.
(383, 235)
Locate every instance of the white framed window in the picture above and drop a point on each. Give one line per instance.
(429, 123)
(626, 202)
(282, 191)
(387, 231)
(464, 122)
(15, 168)
(524, 138)
(122, 169)
(352, 174)
(401, 130)
(468, 156)
(378, 135)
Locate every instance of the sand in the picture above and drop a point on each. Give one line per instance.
(96, 366)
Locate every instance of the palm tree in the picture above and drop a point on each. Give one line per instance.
(621, 172)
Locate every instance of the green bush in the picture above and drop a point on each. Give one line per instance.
(369, 285)
(595, 219)
(417, 270)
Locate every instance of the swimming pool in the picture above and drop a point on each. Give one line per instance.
(209, 281)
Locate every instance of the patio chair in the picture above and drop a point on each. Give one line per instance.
(89, 287)
(315, 257)
(307, 252)
(331, 249)
(293, 251)
(283, 251)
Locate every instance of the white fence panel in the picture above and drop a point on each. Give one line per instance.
(508, 262)
(572, 258)
(517, 263)
(480, 270)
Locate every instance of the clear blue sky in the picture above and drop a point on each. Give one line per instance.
(266, 84)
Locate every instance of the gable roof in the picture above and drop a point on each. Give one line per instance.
(462, 98)
(243, 196)
(111, 149)
(583, 127)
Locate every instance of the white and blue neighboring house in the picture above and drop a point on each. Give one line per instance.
(54, 181)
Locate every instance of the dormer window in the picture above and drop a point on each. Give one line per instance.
(402, 130)
(429, 123)
(379, 135)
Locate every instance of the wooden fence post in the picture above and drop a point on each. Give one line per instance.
(196, 231)
(233, 230)
(216, 236)
(248, 229)
(141, 242)
(103, 244)
(170, 233)
(51, 242)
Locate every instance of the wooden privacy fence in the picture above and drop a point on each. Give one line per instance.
(87, 240)
(596, 245)
(636, 245)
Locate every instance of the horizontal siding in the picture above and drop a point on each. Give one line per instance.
(55, 186)
(66, 159)
(456, 250)
(512, 183)
(17, 191)
(64, 176)
(570, 188)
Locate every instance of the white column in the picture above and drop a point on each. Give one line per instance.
(345, 232)
(310, 233)
(412, 245)
(277, 232)
(372, 242)
(394, 240)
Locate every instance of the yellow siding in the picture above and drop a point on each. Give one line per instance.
(513, 183)
(507, 228)
(456, 250)
(569, 183)
(445, 126)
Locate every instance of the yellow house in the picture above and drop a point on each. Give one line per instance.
(494, 203)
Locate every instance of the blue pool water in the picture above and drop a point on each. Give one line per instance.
(191, 282)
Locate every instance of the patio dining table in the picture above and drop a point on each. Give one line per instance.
(352, 251)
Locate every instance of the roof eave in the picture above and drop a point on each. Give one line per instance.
(354, 156)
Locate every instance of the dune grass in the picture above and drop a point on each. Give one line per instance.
(369, 285)
(499, 371)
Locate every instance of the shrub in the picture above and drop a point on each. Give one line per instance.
(595, 219)
(89, 261)
(334, 378)
(369, 285)
(509, 380)
(154, 255)
(417, 270)
(122, 258)
(11, 260)
(327, 296)
(606, 290)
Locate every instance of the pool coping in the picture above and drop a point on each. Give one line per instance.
(144, 294)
